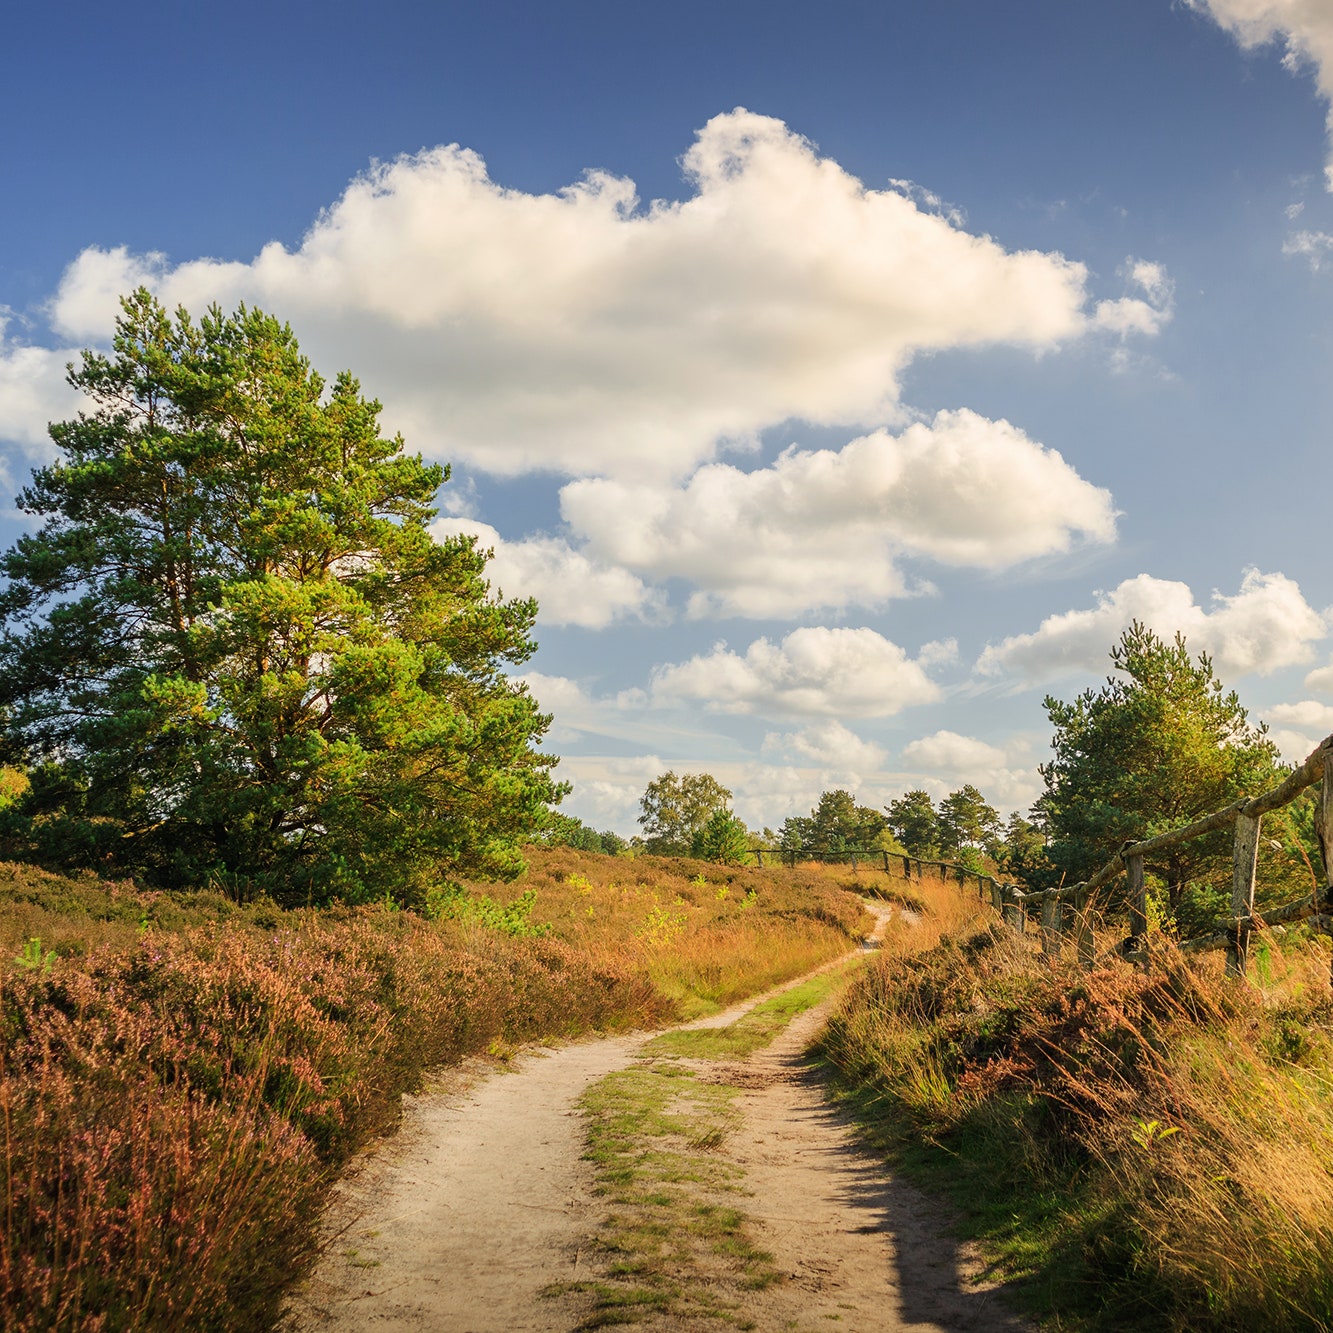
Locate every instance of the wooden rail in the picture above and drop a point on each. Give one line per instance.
(1246, 817)
(1066, 911)
(877, 858)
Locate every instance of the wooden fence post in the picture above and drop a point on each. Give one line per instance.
(1050, 927)
(853, 863)
(1138, 905)
(1244, 866)
(1014, 913)
(759, 857)
(1323, 827)
(1087, 942)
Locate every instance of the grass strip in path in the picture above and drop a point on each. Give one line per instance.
(757, 1027)
(676, 1242)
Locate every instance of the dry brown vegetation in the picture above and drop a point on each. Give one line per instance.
(181, 1077)
(1145, 1149)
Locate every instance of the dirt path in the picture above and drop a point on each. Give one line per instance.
(459, 1221)
(859, 1248)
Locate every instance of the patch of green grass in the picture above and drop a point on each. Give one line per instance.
(614, 1304)
(755, 1029)
(677, 1243)
(1028, 1217)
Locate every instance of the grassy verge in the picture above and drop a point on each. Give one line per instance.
(1136, 1151)
(704, 934)
(181, 1078)
(757, 1027)
(676, 1241)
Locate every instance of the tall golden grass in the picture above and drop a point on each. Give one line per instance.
(1167, 1136)
(181, 1078)
(705, 935)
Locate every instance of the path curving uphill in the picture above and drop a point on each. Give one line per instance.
(483, 1200)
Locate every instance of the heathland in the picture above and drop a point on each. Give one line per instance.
(182, 1076)
(1135, 1149)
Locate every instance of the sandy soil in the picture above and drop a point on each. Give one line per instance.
(481, 1200)
(859, 1248)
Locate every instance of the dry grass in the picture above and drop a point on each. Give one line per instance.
(706, 935)
(180, 1078)
(1147, 1150)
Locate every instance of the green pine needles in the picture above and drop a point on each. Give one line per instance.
(234, 650)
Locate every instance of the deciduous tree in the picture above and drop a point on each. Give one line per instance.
(677, 806)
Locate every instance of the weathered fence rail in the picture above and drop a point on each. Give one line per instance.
(1246, 817)
(1067, 911)
(874, 858)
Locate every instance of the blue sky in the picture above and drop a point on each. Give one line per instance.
(840, 378)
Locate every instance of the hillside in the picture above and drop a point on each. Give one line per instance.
(182, 1076)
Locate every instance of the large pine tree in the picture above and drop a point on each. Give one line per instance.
(232, 647)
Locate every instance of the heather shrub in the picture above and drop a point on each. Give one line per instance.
(1145, 1149)
(181, 1076)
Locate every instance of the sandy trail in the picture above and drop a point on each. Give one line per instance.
(481, 1201)
(858, 1247)
(470, 1210)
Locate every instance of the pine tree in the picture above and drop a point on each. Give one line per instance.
(1160, 744)
(915, 823)
(233, 649)
(967, 821)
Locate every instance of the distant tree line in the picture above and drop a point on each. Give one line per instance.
(1160, 744)
(689, 814)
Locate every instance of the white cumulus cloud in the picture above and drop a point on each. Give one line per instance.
(825, 528)
(584, 332)
(607, 789)
(1147, 315)
(813, 672)
(1297, 728)
(1312, 246)
(33, 393)
(1320, 681)
(949, 753)
(1305, 27)
(1265, 626)
(570, 588)
(1309, 714)
(573, 712)
(831, 745)
(1005, 775)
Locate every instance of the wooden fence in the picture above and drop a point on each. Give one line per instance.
(1066, 912)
